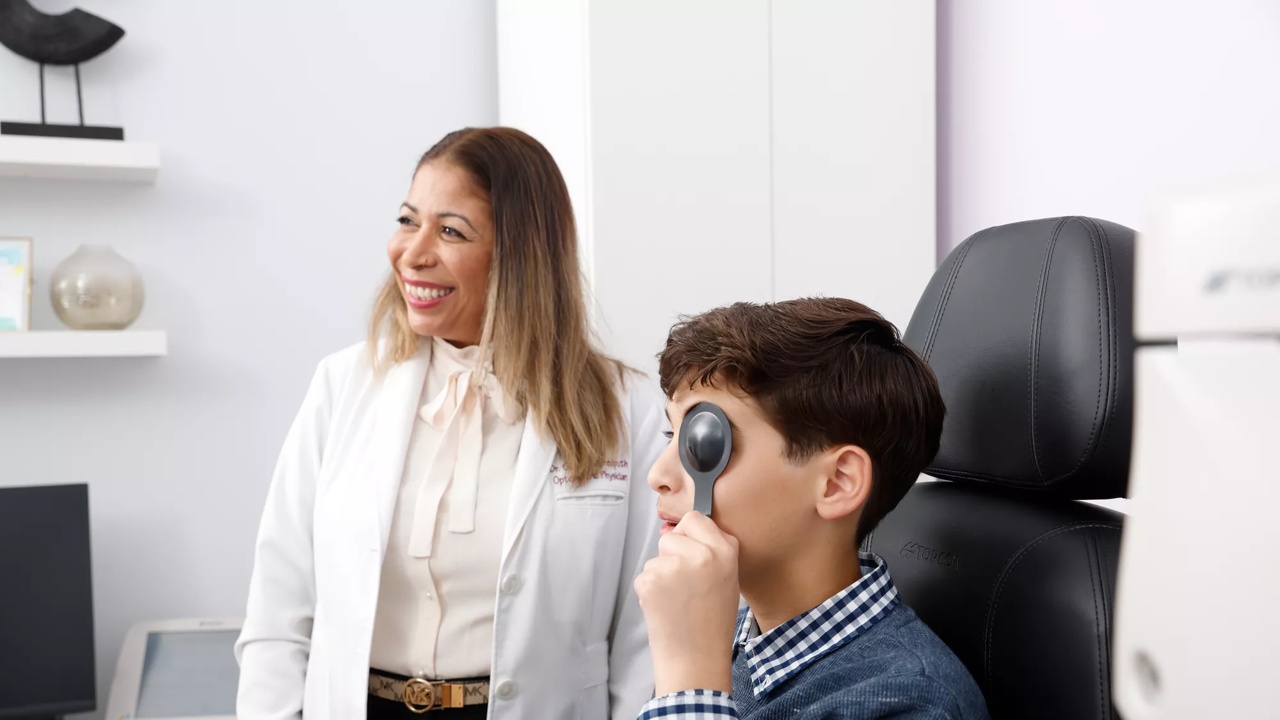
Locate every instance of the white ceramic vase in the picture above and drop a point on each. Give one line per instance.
(97, 289)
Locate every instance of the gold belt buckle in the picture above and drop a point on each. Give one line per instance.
(419, 695)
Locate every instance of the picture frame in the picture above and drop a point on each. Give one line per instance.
(15, 284)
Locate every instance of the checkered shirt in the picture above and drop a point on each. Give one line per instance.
(778, 655)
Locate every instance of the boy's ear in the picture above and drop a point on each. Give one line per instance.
(847, 483)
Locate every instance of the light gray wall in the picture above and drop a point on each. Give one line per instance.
(288, 133)
(1091, 107)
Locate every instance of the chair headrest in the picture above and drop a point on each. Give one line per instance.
(1029, 329)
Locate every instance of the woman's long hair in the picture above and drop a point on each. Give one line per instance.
(536, 327)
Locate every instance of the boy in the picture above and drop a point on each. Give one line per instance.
(832, 419)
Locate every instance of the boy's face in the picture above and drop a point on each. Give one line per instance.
(763, 499)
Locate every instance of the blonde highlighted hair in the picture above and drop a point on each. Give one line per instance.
(536, 327)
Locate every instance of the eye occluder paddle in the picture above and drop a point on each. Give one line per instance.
(706, 442)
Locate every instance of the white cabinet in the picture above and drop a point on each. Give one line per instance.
(724, 150)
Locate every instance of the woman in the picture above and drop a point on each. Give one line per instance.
(463, 498)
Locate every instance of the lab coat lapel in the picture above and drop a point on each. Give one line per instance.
(532, 473)
(397, 410)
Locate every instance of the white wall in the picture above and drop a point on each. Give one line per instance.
(1091, 107)
(727, 150)
(680, 176)
(555, 112)
(288, 137)
(854, 157)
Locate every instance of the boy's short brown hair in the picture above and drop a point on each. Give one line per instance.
(824, 372)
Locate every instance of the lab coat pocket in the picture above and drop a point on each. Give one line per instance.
(592, 498)
(583, 557)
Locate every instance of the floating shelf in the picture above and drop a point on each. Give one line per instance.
(73, 159)
(83, 343)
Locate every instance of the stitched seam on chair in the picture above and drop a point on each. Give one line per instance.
(1033, 363)
(943, 301)
(1097, 403)
(1111, 570)
(943, 298)
(1105, 636)
(994, 604)
(1089, 547)
(1114, 349)
(1113, 343)
(1110, 561)
(966, 475)
(1104, 349)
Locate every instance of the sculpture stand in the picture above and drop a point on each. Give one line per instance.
(45, 129)
(85, 132)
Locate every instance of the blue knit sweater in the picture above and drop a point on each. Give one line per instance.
(896, 669)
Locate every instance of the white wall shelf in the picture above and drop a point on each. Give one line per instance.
(73, 159)
(83, 344)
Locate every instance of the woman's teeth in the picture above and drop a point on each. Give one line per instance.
(424, 293)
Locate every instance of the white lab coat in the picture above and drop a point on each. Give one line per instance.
(569, 637)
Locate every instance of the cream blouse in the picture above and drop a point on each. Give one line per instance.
(440, 574)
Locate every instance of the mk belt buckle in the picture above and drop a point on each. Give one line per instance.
(420, 695)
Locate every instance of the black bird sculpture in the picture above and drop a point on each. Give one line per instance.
(68, 39)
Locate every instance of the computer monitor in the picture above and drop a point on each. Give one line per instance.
(176, 669)
(46, 606)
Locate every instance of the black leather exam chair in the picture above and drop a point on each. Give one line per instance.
(1028, 328)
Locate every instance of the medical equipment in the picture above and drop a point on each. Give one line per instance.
(176, 669)
(1197, 631)
(706, 442)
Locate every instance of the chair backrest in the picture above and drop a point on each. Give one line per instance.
(1029, 330)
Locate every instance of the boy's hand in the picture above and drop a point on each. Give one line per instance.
(689, 594)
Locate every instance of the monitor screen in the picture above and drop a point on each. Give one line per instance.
(46, 608)
(188, 674)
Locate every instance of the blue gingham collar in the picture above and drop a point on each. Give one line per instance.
(782, 652)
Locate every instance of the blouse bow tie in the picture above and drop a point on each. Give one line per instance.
(458, 410)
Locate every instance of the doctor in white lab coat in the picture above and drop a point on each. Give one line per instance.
(460, 508)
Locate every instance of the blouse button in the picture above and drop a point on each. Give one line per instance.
(511, 585)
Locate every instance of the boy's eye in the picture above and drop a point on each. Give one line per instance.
(668, 434)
